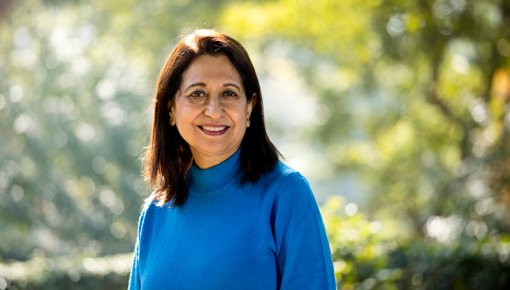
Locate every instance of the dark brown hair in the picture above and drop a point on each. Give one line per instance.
(168, 157)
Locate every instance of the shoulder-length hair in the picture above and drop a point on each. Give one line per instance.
(168, 157)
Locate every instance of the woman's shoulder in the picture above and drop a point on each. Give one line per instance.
(152, 210)
(284, 180)
(152, 205)
(288, 188)
(284, 173)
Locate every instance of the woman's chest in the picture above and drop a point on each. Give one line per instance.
(210, 245)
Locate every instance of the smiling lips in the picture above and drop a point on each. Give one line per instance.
(214, 130)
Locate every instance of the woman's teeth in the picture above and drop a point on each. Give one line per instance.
(214, 129)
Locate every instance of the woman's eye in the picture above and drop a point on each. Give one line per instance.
(230, 94)
(197, 96)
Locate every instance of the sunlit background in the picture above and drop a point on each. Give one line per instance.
(398, 112)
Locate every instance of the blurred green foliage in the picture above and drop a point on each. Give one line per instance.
(40, 272)
(372, 255)
(411, 99)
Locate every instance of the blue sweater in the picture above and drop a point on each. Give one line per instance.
(265, 235)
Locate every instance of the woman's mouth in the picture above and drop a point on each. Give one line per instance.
(214, 130)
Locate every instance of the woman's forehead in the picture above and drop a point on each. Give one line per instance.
(207, 69)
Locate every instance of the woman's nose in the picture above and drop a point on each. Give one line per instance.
(213, 108)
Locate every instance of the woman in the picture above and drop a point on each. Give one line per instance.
(225, 213)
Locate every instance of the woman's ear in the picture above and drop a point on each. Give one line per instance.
(249, 108)
(253, 100)
(171, 114)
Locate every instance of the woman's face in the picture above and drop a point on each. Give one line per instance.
(210, 109)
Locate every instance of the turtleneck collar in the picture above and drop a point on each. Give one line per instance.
(214, 179)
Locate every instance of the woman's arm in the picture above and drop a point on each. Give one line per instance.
(303, 253)
(134, 278)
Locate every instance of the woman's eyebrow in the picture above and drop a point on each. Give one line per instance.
(199, 84)
(232, 85)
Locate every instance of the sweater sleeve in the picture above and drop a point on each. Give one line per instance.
(302, 248)
(134, 277)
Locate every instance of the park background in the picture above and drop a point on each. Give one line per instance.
(398, 112)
